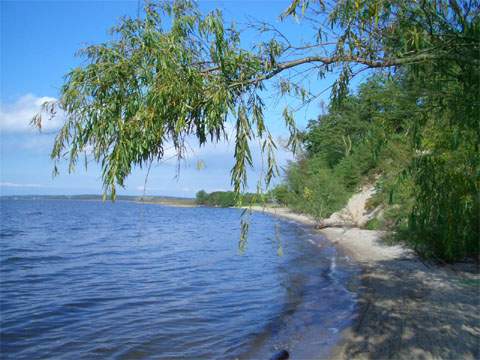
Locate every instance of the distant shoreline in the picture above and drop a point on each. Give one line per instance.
(168, 203)
(157, 200)
(407, 307)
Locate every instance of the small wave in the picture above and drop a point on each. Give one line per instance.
(30, 259)
(334, 330)
(76, 228)
(333, 265)
(180, 292)
(11, 233)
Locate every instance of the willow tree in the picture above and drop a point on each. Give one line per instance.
(176, 73)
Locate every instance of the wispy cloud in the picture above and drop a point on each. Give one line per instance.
(16, 117)
(17, 185)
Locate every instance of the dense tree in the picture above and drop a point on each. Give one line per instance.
(227, 198)
(201, 197)
(424, 163)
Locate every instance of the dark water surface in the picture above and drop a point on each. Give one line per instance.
(86, 280)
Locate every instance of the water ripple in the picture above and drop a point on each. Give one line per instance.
(122, 281)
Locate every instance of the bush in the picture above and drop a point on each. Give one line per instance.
(281, 194)
(311, 187)
(373, 224)
(444, 222)
(228, 198)
(221, 198)
(201, 197)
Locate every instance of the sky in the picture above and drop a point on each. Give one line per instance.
(39, 40)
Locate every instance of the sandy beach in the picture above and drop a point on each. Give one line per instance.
(407, 308)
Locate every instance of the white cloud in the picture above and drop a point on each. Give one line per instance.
(17, 185)
(16, 117)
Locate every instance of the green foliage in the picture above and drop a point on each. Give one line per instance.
(228, 198)
(221, 199)
(373, 224)
(280, 194)
(323, 193)
(445, 219)
(421, 150)
(351, 169)
(201, 197)
(157, 82)
(346, 147)
(312, 188)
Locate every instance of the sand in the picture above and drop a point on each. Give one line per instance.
(407, 308)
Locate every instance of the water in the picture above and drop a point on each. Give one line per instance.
(86, 279)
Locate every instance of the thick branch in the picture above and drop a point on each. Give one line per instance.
(369, 63)
(381, 63)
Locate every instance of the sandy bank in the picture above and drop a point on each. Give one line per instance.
(408, 309)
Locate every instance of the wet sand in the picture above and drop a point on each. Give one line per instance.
(407, 308)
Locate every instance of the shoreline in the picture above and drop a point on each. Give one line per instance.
(407, 308)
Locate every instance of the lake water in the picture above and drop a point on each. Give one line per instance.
(86, 279)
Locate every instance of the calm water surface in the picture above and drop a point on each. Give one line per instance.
(86, 280)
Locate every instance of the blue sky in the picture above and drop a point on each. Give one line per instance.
(39, 40)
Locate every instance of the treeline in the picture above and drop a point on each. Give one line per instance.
(163, 200)
(228, 198)
(416, 137)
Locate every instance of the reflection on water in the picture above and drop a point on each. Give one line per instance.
(124, 280)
